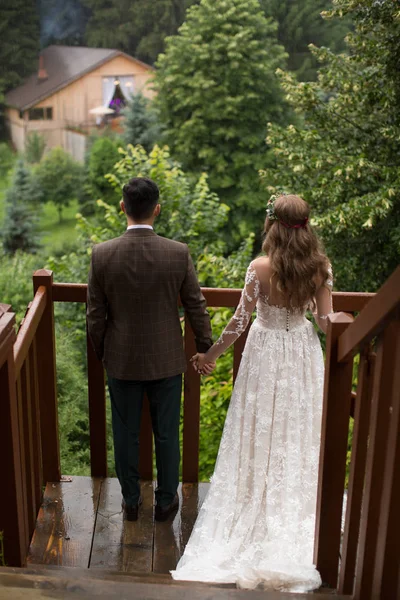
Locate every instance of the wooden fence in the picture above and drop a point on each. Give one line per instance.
(29, 425)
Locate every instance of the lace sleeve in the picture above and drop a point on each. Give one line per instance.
(324, 302)
(241, 318)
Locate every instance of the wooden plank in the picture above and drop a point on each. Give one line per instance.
(50, 584)
(332, 464)
(97, 412)
(26, 406)
(357, 473)
(119, 544)
(37, 444)
(373, 317)
(191, 412)
(24, 491)
(65, 523)
(12, 518)
(29, 327)
(171, 537)
(46, 369)
(146, 443)
(350, 301)
(387, 564)
(383, 391)
(69, 292)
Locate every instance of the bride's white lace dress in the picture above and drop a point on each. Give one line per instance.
(256, 525)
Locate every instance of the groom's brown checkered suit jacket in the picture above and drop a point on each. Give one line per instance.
(132, 305)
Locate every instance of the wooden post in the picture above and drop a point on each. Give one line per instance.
(357, 472)
(383, 402)
(387, 563)
(97, 412)
(332, 465)
(191, 413)
(12, 513)
(46, 369)
(37, 443)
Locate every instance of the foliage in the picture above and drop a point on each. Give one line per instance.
(217, 89)
(137, 27)
(7, 158)
(299, 24)
(141, 125)
(20, 223)
(35, 146)
(103, 156)
(19, 48)
(16, 280)
(345, 158)
(60, 178)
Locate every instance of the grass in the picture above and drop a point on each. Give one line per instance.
(53, 234)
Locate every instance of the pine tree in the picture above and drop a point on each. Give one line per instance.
(141, 124)
(20, 223)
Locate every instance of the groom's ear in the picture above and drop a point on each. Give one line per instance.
(157, 210)
(122, 206)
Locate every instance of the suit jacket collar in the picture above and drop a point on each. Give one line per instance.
(140, 232)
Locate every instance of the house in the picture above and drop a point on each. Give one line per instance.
(73, 87)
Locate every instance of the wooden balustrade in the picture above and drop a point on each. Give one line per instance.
(370, 554)
(30, 424)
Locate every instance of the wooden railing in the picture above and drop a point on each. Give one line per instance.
(29, 429)
(370, 553)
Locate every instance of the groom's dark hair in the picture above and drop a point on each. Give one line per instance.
(140, 196)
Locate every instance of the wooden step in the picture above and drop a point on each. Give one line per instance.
(87, 584)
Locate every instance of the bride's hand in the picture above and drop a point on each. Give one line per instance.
(201, 365)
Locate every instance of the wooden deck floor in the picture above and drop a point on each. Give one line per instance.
(80, 524)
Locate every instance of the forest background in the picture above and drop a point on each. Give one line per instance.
(253, 96)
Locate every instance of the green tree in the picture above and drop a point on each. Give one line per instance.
(300, 23)
(345, 158)
(141, 124)
(102, 158)
(60, 178)
(217, 89)
(137, 27)
(20, 223)
(19, 48)
(35, 146)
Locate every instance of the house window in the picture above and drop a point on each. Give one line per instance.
(41, 114)
(117, 91)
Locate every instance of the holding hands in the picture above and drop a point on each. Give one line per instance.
(201, 365)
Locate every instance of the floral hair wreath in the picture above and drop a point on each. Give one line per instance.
(272, 215)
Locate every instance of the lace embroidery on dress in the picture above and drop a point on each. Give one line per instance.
(242, 316)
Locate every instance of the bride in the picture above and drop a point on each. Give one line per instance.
(256, 525)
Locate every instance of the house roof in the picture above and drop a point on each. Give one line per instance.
(64, 64)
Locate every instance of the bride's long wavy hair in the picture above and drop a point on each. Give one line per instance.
(299, 263)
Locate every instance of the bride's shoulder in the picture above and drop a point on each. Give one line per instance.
(261, 265)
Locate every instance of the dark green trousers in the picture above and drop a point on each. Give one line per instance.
(126, 404)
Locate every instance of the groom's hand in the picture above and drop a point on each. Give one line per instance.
(201, 365)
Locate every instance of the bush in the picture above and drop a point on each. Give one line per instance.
(60, 178)
(7, 158)
(34, 147)
(16, 280)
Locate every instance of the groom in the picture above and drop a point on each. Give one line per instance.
(133, 322)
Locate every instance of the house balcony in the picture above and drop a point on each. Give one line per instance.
(60, 529)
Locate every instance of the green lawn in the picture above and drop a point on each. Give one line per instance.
(53, 234)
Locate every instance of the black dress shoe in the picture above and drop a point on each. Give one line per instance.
(131, 512)
(163, 512)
